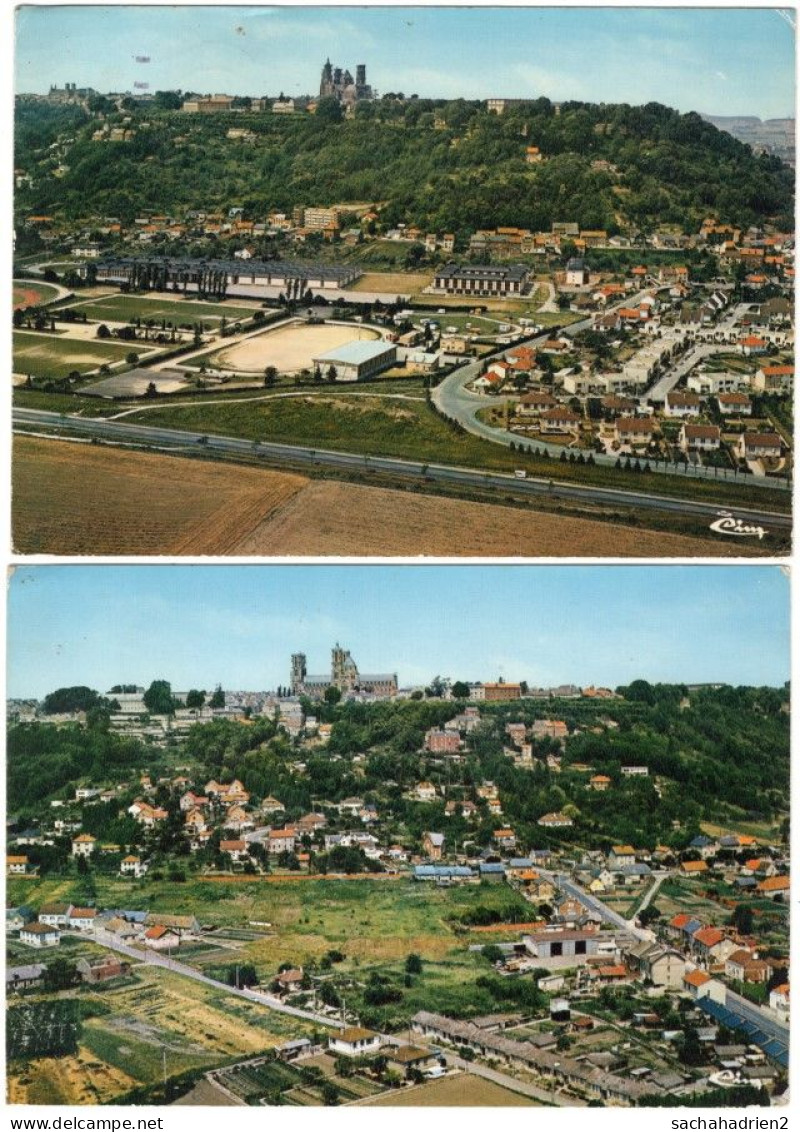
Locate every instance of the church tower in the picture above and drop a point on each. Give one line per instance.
(326, 81)
(298, 675)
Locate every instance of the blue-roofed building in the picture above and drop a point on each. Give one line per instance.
(492, 871)
(704, 846)
(769, 1039)
(443, 874)
(691, 927)
(354, 361)
(634, 874)
(132, 917)
(520, 863)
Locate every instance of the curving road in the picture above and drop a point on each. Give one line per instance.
(453, 399)
(125, 433)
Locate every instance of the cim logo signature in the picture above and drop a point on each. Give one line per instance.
(728, 525)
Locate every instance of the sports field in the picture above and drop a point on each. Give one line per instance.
(51, 355)
(30, 294)
(289, 348)
(392, 282)
(122, 308)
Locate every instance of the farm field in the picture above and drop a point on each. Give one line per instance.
(341, 518)
(372, 921)
(392, 282)
(294, 1084)
(463, 1090)
(205, 507)
(288, 348)
(49, 355)
(32, 294)
(76, 498)
(122, 308)
(123, 1045)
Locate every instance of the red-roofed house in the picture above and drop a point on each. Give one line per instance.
(692, 867)
(775, 887)
(759, 446)
(161, 938)
(695, 983)
(236, 850)
(752, 344)
(699, 438)
(712, 945)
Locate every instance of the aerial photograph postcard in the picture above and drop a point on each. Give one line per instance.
(318, 848)
(403, 281)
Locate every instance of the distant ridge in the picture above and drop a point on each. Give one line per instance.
(772, 135)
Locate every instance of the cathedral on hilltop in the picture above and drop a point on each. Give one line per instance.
(341, 85)
(343, 675)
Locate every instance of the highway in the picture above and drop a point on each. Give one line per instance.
(165, 438)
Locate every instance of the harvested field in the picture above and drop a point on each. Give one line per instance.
(80, 1079)
(392, 282)
(289, 348)
(206, 1094)
(340, 518)
(75, 498)
(463, 1090)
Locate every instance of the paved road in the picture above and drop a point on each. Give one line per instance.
(120, 432)
(668, 380)
(594, 905)
(157, 959)
(453, 399)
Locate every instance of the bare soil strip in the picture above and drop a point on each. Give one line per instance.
(342, 518)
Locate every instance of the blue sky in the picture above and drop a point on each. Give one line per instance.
(714, 60)
(197, 625)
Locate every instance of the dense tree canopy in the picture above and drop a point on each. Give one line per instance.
(447, 166)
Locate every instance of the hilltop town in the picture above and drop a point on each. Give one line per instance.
(557, 292)
(348, 889)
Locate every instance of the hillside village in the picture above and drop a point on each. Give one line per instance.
(616, 936)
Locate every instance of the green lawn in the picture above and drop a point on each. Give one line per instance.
(374, 427)
(44, 355)
(122, 308)
(141, 1059)
(63, 403)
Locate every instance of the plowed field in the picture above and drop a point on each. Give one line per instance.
(78, 498)
(341, 518)
(74, 498)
